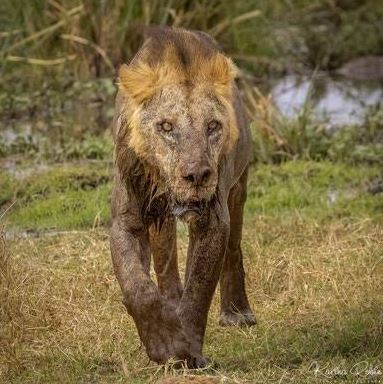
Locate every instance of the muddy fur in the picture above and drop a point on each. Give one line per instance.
(182, 148)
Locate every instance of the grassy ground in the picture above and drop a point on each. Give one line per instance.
(61, 197)
(76, 195)
(313, 253)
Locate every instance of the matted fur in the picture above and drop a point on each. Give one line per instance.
(182, 147)
(179, 57)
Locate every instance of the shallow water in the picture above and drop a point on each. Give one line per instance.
(335, 100)
(53, 115)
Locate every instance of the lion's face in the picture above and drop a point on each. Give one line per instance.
(186, 130)
(179, 112)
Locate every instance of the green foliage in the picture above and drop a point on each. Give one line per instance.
(360, 143)
(7, 188)
(66, 197)
(70, 210)
(58, 121)
(87, 147)
(90, 38)
(299, 137)
(313, 190)
(341, 31)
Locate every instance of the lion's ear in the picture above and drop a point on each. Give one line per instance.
(137, 81)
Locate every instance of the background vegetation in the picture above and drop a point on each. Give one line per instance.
(91, 37)
(313, 220)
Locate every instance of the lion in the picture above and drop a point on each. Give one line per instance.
(182, 152)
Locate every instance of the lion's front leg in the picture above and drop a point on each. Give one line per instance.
(163, 245)
(235, 307)
(157, 321)
(207, 247)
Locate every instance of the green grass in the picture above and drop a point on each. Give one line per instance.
(63, 197)
(72, 210)
(313, 190)
(78, 196)
(277, 138)
(7, 190)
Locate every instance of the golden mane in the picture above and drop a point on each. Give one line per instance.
(176, 56)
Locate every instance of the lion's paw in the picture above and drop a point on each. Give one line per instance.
(164, 338)
(246, 319)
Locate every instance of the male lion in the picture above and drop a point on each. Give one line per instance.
(182, 149)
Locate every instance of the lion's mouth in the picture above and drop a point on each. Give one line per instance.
(182, 209)
(190, 202)
(179, 209)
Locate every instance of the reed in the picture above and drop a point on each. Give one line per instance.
(263, 36)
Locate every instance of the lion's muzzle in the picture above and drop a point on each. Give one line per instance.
(197, 174)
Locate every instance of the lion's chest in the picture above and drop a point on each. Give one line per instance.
(156, 209)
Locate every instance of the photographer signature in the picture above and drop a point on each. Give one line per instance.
(362, 369)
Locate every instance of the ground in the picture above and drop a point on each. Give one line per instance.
(313, 246)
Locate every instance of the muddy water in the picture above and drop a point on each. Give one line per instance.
(54, 115)
(335, 100)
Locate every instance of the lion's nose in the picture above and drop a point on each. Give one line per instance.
(197, 175)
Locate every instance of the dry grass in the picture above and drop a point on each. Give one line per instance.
(316, 291)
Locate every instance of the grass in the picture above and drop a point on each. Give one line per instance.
(8, 184)
(315, 289)
(277, 138)
(312, 190)
(62, 197)
(314, 276)
(77, 196)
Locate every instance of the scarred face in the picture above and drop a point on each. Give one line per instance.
(180, 116)
(186, 130)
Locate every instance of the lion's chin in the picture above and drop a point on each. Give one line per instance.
(190, 203)
(179, 209)
(188, 210)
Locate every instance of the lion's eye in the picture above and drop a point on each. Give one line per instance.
(165, 126)
(213, 127)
